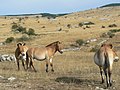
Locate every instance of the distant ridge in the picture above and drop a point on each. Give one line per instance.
(42, 14)
(111, 5)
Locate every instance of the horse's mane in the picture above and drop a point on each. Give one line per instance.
(54, 43)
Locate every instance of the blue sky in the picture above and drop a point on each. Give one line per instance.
(13, 7)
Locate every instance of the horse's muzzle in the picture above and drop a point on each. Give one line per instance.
(61, 51)
(116, 59)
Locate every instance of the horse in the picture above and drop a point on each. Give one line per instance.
(20, 54)
(43, 53)
(104, 58)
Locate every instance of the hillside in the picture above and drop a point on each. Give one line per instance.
(67, 26)
(81, 34)
(111, 5)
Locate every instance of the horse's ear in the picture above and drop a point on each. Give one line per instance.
(24, 44)
(111, 46)
(102, 45)
(58, 42)
(19, 44)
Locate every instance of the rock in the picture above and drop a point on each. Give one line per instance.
(11, 78)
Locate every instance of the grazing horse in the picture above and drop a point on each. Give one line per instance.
(104, 58)
(20, 54)
(43, 53)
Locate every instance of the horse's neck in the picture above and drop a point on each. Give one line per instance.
(52, 47)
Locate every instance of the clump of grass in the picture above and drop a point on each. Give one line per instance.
(110, 33)
(9, 40)
(79, 42)
(112, 25)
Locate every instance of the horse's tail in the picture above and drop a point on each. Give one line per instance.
(106, 59)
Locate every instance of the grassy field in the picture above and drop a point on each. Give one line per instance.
(74, 70)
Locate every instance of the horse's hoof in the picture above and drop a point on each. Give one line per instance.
(35, 71)
(47, 71)
(52, 70)
(110, 84)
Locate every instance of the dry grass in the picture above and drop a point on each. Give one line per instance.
(74, 70)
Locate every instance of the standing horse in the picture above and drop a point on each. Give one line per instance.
(104, 58)
(43, 53)
(20, 54)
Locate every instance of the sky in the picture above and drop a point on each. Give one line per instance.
(14, 7)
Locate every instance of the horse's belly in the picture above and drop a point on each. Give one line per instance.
(40, 57)
(98, 61)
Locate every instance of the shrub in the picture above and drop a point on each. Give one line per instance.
(112, 25)
(17, 28)
(80, 24)
(114, 30)
(14, 26)
(79, 42)
(31, 31)
(21, 29)
(9, 40)
(69, 25)
(110, 34)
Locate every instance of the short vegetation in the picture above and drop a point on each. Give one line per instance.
(110, 33)
(20, 29)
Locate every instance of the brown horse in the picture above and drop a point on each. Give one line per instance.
(20, 54)
(43, 53)
(104, 58)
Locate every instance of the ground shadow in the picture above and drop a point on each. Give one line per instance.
(80, 81)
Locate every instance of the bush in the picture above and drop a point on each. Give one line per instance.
(110, 34)
(31, 32)
(79, 42)
(114, 30)
(17, 28)
(112, 25)
(14, 26)
(21, 29)
(69, 25)
(9, 40)
(80, 24)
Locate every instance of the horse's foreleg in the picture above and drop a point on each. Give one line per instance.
(101, 72)
(46, 65)
(51, 64)
(18, 64)
(23, 65)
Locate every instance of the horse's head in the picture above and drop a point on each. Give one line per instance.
(59, 46)
(116, 58)
(22, 50)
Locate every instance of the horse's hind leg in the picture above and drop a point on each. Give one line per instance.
(105, 71)
(46, 65)
(101, 72)
(51, 64)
